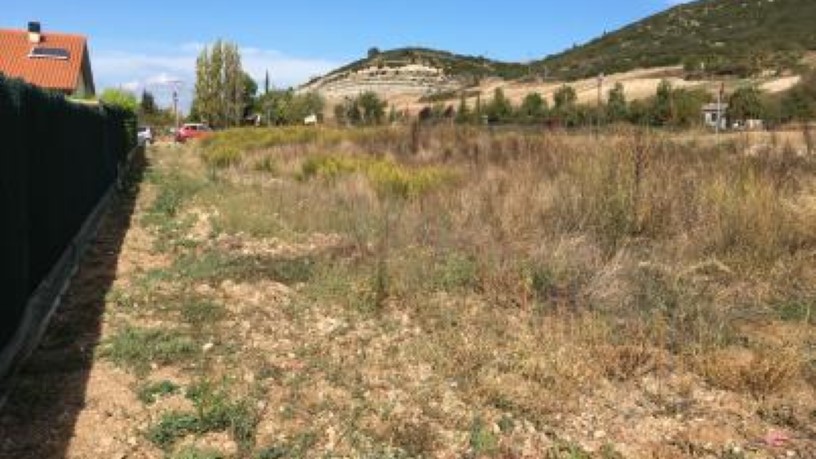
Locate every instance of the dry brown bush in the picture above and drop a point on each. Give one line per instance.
(759, 373)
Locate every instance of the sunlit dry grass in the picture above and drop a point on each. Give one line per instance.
(465, 281)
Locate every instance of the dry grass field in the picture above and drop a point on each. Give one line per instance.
(454, 292)
(638, 85)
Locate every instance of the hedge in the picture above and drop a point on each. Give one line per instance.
(57, 160)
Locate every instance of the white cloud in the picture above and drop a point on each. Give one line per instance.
(283, 70)
(154, 71)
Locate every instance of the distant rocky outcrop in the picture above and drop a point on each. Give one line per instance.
(386, 80)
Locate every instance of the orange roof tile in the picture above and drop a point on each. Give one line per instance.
(47, 73)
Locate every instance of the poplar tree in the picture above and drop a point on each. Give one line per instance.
(220, 90)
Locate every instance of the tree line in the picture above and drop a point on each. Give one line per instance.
(225, 96)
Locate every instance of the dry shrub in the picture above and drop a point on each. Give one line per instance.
(760, 373)
(745, 217)
(622, 363)
(418, 439)
(222, 156)
(621, 224)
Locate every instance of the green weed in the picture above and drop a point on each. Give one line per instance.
(195, 453)
(797, 310)
(214, 266)
(198, 313)
(150, 393)
(389, 179)
(482, 440)
(215, 411)
(137, 348)
(171, 427)
(175, 189)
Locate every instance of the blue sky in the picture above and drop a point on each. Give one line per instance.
(136, 44)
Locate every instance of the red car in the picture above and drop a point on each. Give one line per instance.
(192, 131)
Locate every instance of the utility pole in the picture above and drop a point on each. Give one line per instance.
(601, 77)
(719, 111)
(600, 99)
(174, 86)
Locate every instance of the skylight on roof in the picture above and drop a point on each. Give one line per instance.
(42, 52)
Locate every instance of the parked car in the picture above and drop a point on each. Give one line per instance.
(192, 131)
(144, 135)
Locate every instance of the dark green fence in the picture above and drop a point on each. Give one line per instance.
(57, 159)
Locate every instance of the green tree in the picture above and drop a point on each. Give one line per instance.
(234, 91)
(372, 108)
(499, 109)
(746, 103)
(463, 113)
(565, 105)
(120, 98)
(799, 104)
(663, 106)
(565, 97)
(303, 105)
(478, 112)
(250, 94)
(349, 112)
(640, 112)
(687, 106)
(285, 107)
(533, 108)
(616, 108)
(341, 114)
(220, 89)
(147, 106)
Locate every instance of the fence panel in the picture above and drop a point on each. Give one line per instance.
(14, 267)
(57, 160)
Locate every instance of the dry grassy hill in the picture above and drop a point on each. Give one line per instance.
(409, 88)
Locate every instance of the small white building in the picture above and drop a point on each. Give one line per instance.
(310, 120)
(715, 114)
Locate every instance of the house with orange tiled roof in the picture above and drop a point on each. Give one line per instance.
(53, 61)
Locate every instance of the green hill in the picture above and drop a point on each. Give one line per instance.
(717, 36)
(708, 37)
(455, 65)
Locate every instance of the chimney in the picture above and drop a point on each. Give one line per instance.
(34, 32)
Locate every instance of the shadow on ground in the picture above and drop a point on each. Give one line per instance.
(49, 392)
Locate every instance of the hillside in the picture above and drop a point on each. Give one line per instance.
(413, 71)
(709, 38)
(724, 36)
